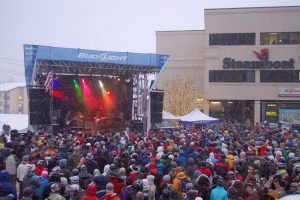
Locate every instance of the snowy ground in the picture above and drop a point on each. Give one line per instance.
(15, 121)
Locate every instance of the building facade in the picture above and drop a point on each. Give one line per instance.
(246, 62)
(13, 98)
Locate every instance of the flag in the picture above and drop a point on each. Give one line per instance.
(48, 81)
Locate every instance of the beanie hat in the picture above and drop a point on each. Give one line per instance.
(74, 179)
(83, 168)
(44, 174)
(96, 172)
(167, 178)
(63, 163)
(55, 187)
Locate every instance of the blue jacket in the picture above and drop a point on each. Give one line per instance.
(6, 187)
(219, 193)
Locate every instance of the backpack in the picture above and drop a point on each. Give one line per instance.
(183, 183)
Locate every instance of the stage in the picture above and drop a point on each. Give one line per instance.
(88, 90)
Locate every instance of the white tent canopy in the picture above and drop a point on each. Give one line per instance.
(197, 116)
(167, 115)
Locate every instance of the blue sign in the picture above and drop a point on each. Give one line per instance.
(37, 52)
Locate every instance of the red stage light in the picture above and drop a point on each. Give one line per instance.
(108, 93)
(83, 81)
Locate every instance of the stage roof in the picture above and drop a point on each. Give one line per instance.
(42, 59)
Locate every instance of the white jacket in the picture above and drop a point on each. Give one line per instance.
(23, 169)
(11, 165)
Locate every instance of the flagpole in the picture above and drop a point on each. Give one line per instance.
(51, 104)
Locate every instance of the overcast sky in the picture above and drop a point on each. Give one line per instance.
(108, 25)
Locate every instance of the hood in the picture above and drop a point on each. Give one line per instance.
(106, 169)
(151, 165)
(181, 175)
(230, 157)
(4, 176)
(91, 189)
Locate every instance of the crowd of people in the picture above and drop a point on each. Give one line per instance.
(222, 162)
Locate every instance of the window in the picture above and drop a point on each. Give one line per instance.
(232, 76)
(279, 38)
(229, 39)
(280, 76)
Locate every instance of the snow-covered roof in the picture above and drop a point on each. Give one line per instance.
(16, 121)
(9, 86)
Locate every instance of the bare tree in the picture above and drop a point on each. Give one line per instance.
(182, 95)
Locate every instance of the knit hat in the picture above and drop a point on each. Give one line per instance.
(55, 187)
(74, 179)
(44, 174)
(96, 172)
(56, 170)
(83, 168)
(89, 156)
(167, 178)
(63, 180)
(109, 187)
(25, 159)
(63, 163)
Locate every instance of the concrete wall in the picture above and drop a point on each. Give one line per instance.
(186, 55)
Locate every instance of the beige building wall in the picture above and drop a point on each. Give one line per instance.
(186, 52)
(190, 52)
(14, 101)
(252, 20)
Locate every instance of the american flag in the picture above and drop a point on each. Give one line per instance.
(48, 81)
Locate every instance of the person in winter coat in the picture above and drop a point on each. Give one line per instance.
(75, 157)
(91, 192)
(219, 193)
(6, 188)
(11, 163)
(177, 181)
(110, 194)
(90, 163)
(84, 177)
(55, 192)
(152, 187)
(64, 169)
(22, 171)
(100, 182)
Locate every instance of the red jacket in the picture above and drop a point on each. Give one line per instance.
(91, 192)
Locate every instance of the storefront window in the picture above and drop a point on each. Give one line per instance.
(279, 38)
(229, 39)
(280, 76)
(232, 76)
(238, 112)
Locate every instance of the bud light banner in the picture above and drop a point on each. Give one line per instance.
(92, 56)
(37, 52)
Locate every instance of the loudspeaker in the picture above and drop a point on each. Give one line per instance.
(39, 106)
(137, 125)
(156, 106)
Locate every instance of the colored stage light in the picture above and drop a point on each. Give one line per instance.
(100, 84)
(75, 84)
(108, 92)
(83, 81)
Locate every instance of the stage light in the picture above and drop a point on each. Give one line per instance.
(108, 92)
(127, 80)
(83, 81)
(118, 79)
(75, 84)
(100, 84)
